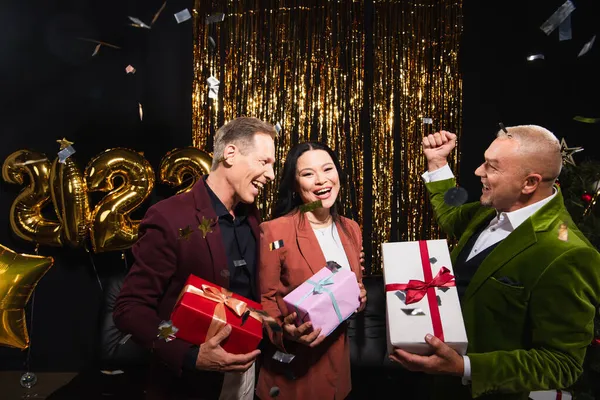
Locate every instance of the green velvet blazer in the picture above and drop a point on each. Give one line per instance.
(532, 335)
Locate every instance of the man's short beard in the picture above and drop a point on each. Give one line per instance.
(486, 203)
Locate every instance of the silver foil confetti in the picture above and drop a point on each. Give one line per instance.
(141, 111)
(239, 263)
(401, 295)
(166, 331)
(428, 121)
(138, 23)
(433, 260)
(213, 92)
(278, 127)
(125, 339)
(212, 81)
(558, 17)
(439, 300)
(183, 16)
(587, 46)
(413, 312)
(130, 69)
(564, 30)
(65, 153)
(285, 358)
(535, 57)
(24, 163)
(211, 41)
(216, 17)
(276, 245)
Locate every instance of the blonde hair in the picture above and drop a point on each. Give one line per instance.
(240, 132)
(540, 150)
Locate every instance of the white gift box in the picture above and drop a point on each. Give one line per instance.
(438, 312)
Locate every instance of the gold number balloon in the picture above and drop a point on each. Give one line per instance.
(71, 201)
(112, 228)
(181, 165)
(26, 218)
(19, 275)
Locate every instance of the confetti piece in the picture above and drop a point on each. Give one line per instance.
(65, 153)
(285, 358)
(166, 331)
(276, 245)
(456, 196)
(183, 16)
(413, 311)
(274, 391)
(99, 42)
(502, 127)
(141, 111)
(160, 10)
(138, 23)
(428, 121)
(205, 226)
(64, 143)
(558, 17)
(96, 50)
(184, 233)
(216, 17)
(130, 70)
(587, 120)
(433, 260)
(587, 46)
(211, 41)
(535, 57)
(239, 263)
(212, 81)
(313, 205)
(125, 339)
(564, 30)
(22, 164)
(278, 127)
(213, 92)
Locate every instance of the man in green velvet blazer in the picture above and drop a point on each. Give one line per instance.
(528, 280)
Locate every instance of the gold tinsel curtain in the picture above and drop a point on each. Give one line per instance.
(359, 76)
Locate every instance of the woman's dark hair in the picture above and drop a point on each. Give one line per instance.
(287, 202)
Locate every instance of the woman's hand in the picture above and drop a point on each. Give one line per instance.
(303, 333)
(362, 297)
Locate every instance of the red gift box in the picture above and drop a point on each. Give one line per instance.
(203, 308)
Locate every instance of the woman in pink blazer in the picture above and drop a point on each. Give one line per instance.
(321, 365)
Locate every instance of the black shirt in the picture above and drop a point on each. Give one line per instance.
(240, 247)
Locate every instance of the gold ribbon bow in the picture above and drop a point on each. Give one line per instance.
(223, 298)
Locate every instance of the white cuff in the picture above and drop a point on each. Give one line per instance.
(466, 379)
(438, 175)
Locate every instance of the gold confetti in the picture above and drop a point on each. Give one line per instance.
(130, 70)
(100, 42)
(184, 233)
(563, 232)
(205, 226)
(64, 143)
(158, 13)
(166, 331)
(141, 111)
(586, 120)
(311, 206)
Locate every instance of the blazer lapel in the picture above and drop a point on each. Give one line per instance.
(254, 220)
(204, 214)
(308, 244)
(519, 240)
(478, 220)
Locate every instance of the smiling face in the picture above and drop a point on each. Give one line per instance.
(501, 175)
(317, 178)
(249, 170)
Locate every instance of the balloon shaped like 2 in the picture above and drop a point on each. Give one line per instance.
(187, 165)
(112, 228)
(26, 219)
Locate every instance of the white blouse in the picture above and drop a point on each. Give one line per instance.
(331, 245)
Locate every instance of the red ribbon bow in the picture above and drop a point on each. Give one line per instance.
(416, 290)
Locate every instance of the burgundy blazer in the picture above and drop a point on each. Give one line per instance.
(163, 261)
(322, 372)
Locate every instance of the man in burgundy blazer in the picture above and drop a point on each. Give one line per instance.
(171, 246)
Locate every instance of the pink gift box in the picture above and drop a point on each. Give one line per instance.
(326, 299)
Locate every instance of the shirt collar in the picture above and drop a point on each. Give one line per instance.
(517, 217)
(219, 207)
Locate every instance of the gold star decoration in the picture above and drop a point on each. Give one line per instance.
(166, 331)
(19, 275)
(563, 232)
(64, 143)
(205, 226)
(184, 233)
(567, 152)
